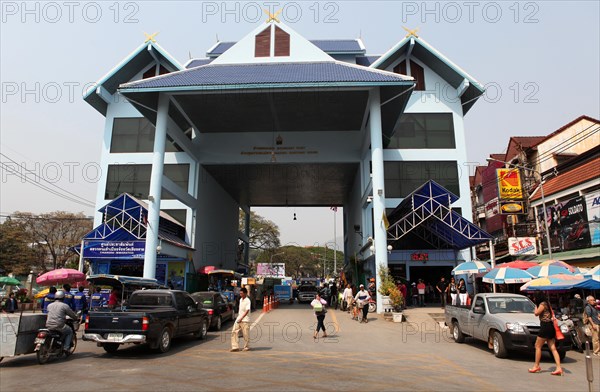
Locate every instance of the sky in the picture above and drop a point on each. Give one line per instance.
(539, 61)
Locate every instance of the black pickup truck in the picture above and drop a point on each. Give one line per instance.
(153, 317)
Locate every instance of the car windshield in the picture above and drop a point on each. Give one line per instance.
(307, 288)
(150, 300)
(510, 305)
(204, 299)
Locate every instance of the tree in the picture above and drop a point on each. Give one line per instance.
(53, 234)
(16, 255)
(301, 261)
(264, 234)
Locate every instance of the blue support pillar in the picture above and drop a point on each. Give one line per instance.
(158, 160)
(379, 230)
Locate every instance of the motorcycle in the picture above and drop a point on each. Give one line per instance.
(49, 343)
(372, 305)
(576, 332)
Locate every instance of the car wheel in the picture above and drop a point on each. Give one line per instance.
(456, 333)
(164, 340)
(219, 323)
(203, 331)
(110, 347)
(498, 344)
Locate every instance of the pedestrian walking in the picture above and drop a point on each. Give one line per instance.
(593, 319)
(319, 306)
(462, 292)
(453, 291)
(362, 299)
(421, 290)
(414, 294)
(347, 298)
(11, 303)
(334, 295)
(547, 335)
(442, 288)
(242, 323)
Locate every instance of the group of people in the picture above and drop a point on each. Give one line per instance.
(422, 293)
(77, 302)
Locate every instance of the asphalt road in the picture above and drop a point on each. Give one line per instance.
(378, 356)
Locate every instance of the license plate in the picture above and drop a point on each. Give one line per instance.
(114, 336)
(40, 341)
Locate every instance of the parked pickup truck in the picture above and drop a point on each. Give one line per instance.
(505, 321)
(153, 317)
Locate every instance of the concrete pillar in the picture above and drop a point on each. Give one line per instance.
(158, 160)
(247, 232)
(379, 230)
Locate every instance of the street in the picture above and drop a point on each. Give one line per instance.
(415, 355)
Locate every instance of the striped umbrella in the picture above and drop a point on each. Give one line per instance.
(507, 275)
(471, 267)
(548, 270)
(594, 273)
(555, 282)
(559, 263)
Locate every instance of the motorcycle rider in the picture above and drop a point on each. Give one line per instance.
(57, 318)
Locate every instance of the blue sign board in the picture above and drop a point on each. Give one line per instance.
(114, 249)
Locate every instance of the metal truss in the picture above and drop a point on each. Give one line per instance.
(118, 216)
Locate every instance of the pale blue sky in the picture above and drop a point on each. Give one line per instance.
(542, 57)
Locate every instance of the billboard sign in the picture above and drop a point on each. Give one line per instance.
(99, 249)
(568, 224)
(274, 270)
(522, 246)
(592, 202)
(510, 186)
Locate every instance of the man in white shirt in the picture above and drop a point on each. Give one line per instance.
(242, 323)
(362, 299)
(347, 297)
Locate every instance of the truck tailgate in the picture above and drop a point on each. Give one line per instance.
(123, 322)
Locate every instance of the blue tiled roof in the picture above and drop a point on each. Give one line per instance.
(269, 74)
(198, 62)
(365, 60)
(326, 45)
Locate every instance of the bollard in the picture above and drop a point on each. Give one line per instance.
(589, 370)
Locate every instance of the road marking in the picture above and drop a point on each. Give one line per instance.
(257, 321)
(335, 322)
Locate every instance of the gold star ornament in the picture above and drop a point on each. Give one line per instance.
(273, 17)
(411, 32)
(151, 37)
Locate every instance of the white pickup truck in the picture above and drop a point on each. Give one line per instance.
(505, 321)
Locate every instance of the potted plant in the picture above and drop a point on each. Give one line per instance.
(397, 301)
(386, 288)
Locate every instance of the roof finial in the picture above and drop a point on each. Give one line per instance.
(411, 32)
(151, 37)
(273, 17)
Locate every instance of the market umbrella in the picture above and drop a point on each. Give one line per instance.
(60, 276)
(42, 293)
(471, 267)
(594, 273)
(554, 282)
(8, 281)
(507, 275)
(559, 263)
(519, 264)
(548, 270)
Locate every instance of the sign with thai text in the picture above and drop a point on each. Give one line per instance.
(113, 249)
(522, 246)
(275, 270)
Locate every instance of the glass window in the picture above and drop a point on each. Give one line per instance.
(135, 180)
(424, 130)
(136, 135)
(402, 178)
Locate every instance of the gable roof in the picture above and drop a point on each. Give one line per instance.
(329, 46)
(516, 143)
(568, 125)
(141, 57)
(440, 64)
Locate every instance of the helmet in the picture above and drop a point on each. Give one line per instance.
(59, 295)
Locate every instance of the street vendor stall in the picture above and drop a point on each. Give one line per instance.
(18, 332)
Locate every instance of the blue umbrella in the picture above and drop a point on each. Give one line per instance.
(471, 267)
(547, 270)
(507, 275)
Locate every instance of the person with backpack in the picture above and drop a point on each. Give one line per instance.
(318, 304)
(591, 317)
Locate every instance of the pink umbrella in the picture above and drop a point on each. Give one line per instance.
(60, 276)
(518, 264)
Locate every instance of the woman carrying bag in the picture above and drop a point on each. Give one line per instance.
(318, 305)
(547, 335)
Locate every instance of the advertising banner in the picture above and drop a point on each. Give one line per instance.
(592, 202)
(510, 186)
(522, 246)
(568, 225)
(512, 208)
(274, 270)
(98, 249)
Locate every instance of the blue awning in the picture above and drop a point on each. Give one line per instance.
(427, 213)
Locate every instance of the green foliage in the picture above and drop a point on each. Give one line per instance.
(264, 234)
(16, 255)
(387, 287)
(302, 261)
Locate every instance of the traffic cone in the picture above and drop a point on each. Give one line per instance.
(265, 304)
